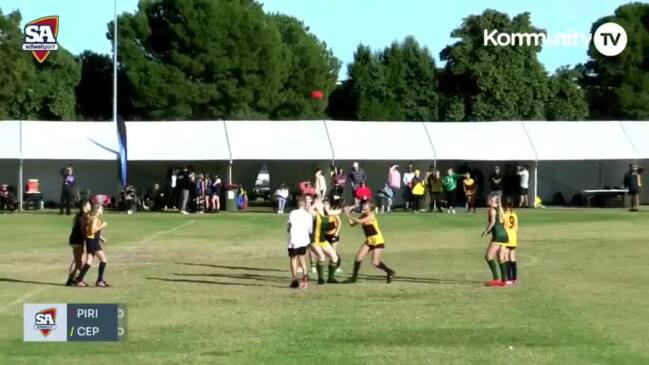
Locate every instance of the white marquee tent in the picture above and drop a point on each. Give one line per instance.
(564, 157)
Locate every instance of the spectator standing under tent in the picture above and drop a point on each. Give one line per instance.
(281, 195)
(496, 182)
(386, 196)
(633, 182)
(200, 193)
(339, 180)
(470, 192)
(407, 186)
(214, 187)
(435, 190)
(184, 184)
(418, 191)
(68, 196)
(357, 176)
(524, 184)
(394, 182)
(449, 183)
(320, 184)
(172, 191)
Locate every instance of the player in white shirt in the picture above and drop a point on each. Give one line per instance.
(300, 228)
(524, 175)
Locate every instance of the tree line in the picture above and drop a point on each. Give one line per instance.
(228, 59)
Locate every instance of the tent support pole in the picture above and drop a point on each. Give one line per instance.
(230, 173)
(20, 185)
(536, 183)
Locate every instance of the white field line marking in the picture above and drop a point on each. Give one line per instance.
(36, 290)
(532, 260)
(160, 234)
(23, 298)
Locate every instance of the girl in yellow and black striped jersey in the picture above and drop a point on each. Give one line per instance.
(374, 241)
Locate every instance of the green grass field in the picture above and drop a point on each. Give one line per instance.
(213, 289)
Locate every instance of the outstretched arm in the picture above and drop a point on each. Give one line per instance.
(491, 224)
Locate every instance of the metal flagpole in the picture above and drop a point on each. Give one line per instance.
(20, 166)
(115, 63)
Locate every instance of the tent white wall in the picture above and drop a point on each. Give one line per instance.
(10, 137)
(570, 155)
(379, 141)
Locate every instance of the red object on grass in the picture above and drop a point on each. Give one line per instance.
(317, 94)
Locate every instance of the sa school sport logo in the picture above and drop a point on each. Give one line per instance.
(40, 37)
(45, 321)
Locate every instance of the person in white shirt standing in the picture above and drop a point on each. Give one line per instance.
(281, 195)
(320, 184)
(524, 175)
(407, 185)
(300, 228)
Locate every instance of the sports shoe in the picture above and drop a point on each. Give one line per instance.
(339, 270)
(183, 212)
(80, 284)
(295, 284)
(102, 284)
(305, 282)
(390, 276)
(314, 270)
(495, 282)
(509, 283)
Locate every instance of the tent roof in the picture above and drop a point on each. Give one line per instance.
(579, 141)
(279, 140)
(177, 141)
(638, 134)
(327, 140)
(379, 141)
(10, 145)
(68, 141)
(479, 141)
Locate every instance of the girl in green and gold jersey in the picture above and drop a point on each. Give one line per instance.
(499, 239)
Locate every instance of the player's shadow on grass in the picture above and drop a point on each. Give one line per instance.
(9, 280)
(410, 279)
(193, 281)
(244, 276)
(229, 267)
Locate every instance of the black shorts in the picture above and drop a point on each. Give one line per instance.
(374, 247)
(524, 191)
(332, 239)
(93, 246)
(634, 192)
(300, 251)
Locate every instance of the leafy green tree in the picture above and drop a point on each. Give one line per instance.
(397, 83)
(493, 82)
(618, 87)
(567, 100)
(209, 59)
(94, 93)
(311, 66)
(16, 68)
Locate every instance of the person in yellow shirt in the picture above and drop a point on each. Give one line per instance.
(418, 191)
(374, 241)
(470, 191)
(508, 252)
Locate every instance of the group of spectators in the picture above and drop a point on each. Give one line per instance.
(190, 191)
(411, 188)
